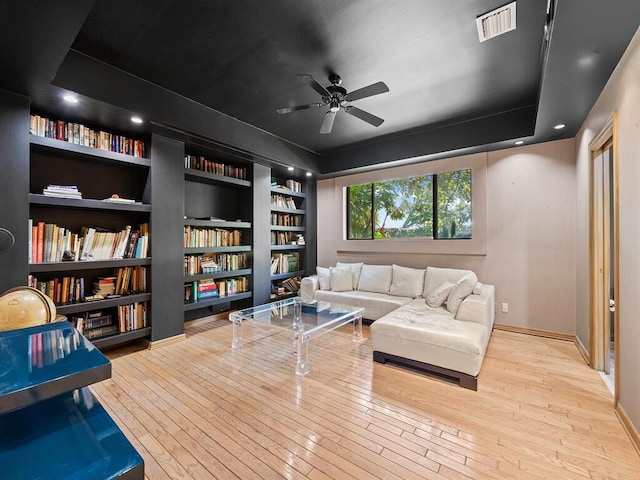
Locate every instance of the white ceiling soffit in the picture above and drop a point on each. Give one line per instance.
(496, 22)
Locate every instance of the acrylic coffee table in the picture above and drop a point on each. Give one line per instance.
(306, 321)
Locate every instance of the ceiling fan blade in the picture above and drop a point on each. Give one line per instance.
(362, 115)
(300, 107)
(327, 123)
(313, 83)
(371, 90)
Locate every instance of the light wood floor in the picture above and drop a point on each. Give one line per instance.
(197, 409)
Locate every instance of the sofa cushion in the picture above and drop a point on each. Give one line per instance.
(355, 270)
(437, 276)
(341, 279)
(431, 335)
(375, 278)
(324, 278)
(407, 282)
(463, 288)
(440, 294)
(376, 305)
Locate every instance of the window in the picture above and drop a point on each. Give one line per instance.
(428, 206)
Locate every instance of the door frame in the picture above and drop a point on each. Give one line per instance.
(599, 266)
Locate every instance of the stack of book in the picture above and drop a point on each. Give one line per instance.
(104, 286)
(64, 191)
(205, 288)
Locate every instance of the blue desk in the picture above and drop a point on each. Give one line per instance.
(51, 425)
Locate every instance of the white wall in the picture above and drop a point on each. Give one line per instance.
(621, 94)
(528, 235)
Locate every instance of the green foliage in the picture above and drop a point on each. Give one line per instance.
(410, 201)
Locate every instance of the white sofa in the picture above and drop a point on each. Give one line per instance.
(437, 320)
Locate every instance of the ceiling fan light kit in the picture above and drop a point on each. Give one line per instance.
(336, 97)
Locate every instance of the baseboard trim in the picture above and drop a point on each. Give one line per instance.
(628, 427)
(534, 331)
(167, 341)
(583, 351)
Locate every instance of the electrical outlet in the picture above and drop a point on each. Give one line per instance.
(505, 308)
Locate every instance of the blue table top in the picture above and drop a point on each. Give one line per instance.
(69, 436)
(41, 362)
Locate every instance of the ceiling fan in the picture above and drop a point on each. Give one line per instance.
(337, 97)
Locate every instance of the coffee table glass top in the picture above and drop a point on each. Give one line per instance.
(314, 317)
(306, 321)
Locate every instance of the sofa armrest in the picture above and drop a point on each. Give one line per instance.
(479, 308)
(308, 286)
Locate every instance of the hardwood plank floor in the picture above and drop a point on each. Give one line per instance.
(199, 410)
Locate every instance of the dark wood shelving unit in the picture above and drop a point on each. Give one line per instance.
(217, 223)
(120, 338)
(216, 275)
(87, 265)
(284, 191)
(287, 247)
(283, 228)
(205, 177)
(85, 203)
(196, 250)
(77, 307)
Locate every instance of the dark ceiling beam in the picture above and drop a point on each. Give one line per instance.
(34, 39)
(587, 40)
(472, 135)
(92, 78)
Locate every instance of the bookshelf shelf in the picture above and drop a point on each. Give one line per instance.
(287, 247)
(297, 211)
(282, 296)
(87, 265)
(205, 177)
(77, 307)
(216, 275)
(284, 191)
(60, 147)
(283, 276)
(121, 337)
(216, 223)
(196, 250)
(282, 228)
(210, 302)
(89, 204)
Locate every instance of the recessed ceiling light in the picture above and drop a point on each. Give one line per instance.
(290, 169)
(519, 142)
(136, 119)
(309, 174)
(70, 98)
(559, 126)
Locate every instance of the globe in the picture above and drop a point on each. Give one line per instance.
(22, 307)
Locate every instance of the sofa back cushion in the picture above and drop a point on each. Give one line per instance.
(355, 271)
(341, 279)
(407, 282)
(375, 278)
(464, 288)
(437, 276)
(324, 278)
(439, 295)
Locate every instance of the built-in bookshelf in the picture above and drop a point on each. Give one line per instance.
(287, 231)
(217, 233)
(89, 214)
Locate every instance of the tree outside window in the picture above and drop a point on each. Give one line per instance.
(404, 208)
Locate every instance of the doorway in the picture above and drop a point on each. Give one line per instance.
(604, 256)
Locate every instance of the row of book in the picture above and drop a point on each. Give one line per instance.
(286, 220)
(46, 348)
(290, 184)
(62, 290)
(80, 134)
(285, 238)
(209, 288)
(50, 243)
(125, 281)
(210, 263)
(284, 263)
(196, 162)
(282, 201)
(211, 237)
(98, 324)
(288, 286)
(70, 289)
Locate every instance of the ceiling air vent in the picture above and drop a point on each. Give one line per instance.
(496, 22)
